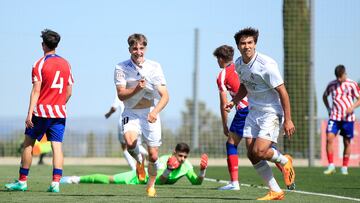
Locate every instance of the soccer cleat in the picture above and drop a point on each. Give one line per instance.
(54, 187)
(17, 186)
(330, 170)
(230, 186)
(289, 173)
(151, 192)
(70, 180)
(140, 171)
(344, 171)
(271, 195)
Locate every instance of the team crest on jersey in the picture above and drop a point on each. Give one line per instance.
(119, 74)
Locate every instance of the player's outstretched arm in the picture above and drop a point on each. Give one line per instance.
(110, 112)
(172, 164)
(198, 179)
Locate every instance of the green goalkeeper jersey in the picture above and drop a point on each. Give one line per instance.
(185, 169)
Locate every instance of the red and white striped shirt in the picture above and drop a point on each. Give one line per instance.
(228, 80)
(343, 95)
(54, 73)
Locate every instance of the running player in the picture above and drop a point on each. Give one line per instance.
(52, 87)
(139, 82)
(173, 167)
(228, 81)
(343, 92)
(268, 103)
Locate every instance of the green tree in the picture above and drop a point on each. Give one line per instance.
(211, 138)
(296, 25)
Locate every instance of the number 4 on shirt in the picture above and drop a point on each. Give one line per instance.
(58, 82)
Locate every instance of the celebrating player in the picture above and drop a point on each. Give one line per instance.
(268, 103)
(52, 88)
(117, 104)
(139, 82)
(343, 91)
(228, 80)
(173, 167)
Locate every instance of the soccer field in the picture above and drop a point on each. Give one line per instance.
(312, 186)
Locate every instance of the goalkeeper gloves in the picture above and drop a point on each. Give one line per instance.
(203, 165)
(204, 162)
(173, 163)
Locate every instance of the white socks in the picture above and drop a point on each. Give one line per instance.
(278, 157)
(142, 150)
(130, 160)
(264, 170)
(135, 153)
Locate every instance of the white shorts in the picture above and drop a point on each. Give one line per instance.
(121, 133)
(265, 125)
(136, 120)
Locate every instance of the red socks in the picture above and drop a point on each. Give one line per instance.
(233, 162)
(330, 157)
(346, 160)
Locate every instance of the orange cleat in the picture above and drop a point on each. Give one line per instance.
(271, 195)
(140, 171)
(151, 192)
(289, 173)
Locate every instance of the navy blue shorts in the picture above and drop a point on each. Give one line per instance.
(53, 127)
(238, 123)
(346, 128)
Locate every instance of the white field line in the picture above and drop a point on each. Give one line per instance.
(295, 191)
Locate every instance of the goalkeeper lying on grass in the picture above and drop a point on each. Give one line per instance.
(172, 168)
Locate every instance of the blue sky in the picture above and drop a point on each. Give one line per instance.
(94, 35)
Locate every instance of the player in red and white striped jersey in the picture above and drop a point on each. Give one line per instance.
(54, 74)
(52, 87)
(228, 81)
(343, 92)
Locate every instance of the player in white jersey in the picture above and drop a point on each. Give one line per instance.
(118, 105)
(268, 103)
(343, 92)
(139, 82)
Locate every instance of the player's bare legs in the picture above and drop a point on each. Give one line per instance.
(133, 149)
(330, 153)
(58, 162)
(263, 150)
(152, 170)
(26, 157)
(346, 155)
(128, 157)
(58, 156)
(259, 150)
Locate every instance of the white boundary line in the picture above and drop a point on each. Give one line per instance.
(296, 191)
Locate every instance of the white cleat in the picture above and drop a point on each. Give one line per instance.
(230, 186)
(344, 171)
(70, 180)
(330, 170)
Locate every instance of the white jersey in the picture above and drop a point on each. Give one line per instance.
(117, 104)
(260, 76)
(127, 74)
